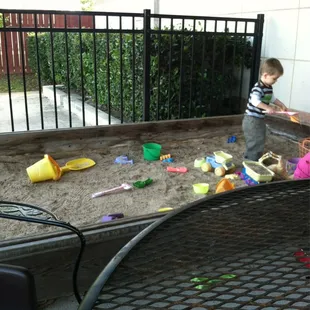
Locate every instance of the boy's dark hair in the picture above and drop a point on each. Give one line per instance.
(271, 66)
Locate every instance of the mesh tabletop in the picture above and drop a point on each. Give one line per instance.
(246, 249)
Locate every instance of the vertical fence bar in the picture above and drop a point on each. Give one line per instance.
(170, 64)
(38, 69)
(25, 34)
(146, 64)
(158, 68)
(242, 66)
(23, 68)
(95, 66)
(53, 69)
(191, 73)
(8, 72)
(202, 65)
(213, 66)
(233, 64)
(14, 38)
(224, 65)
(82, 71)
(121, 68)
(133, 71)
(68, 71)
(108, 69)
(257, 47)
(181, 70)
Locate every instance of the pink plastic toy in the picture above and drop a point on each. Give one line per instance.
(303, 168)
(283, 112)
(123, 187)
(177, 169)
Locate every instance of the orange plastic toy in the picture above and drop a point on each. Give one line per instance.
(223, 186)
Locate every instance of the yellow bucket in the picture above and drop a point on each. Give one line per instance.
(43, 170)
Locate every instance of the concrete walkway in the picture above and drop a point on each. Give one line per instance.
(48, 107)
(34, 113)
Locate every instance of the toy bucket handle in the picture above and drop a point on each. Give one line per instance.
(275, 156)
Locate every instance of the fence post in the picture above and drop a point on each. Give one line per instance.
(257, 47)
(146, 64)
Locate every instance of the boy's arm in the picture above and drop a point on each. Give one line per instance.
(266, 107)
(256, 100)
(280, 104)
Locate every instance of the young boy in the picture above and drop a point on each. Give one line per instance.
(261, 95)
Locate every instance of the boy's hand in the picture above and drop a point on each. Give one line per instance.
(280, 104)
(269, 110)
(283, 107)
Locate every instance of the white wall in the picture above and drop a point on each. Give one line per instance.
(286, 34)
(122, 6)
(286, 37)
(130, 6)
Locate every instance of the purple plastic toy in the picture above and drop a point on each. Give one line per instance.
(291, 165)
(247, 179)
(112, 216)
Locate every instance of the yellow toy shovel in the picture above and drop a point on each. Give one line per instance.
(77, 164)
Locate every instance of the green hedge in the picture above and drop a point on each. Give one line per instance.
(199, 96)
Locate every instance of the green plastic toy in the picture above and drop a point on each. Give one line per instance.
(142, 184)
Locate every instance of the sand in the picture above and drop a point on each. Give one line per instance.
(70, 197)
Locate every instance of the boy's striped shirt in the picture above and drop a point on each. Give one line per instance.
(259, 93)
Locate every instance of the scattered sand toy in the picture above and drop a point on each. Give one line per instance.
(294, 117)
(44, 169)
(224, 185)
(142, 184)
(232, 139)
(167, 209)
(221, 163)
(48, 169)
(276, 164)
(177, 169)
(151, 151)
(291, 165)
(118, 189)
(77, 164)
(199, 162)
(257, 171)
(123, 160)
(201, 188)
(112, 216)
(162, 157)
(166, 158)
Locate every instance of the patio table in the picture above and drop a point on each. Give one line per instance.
(244, 249)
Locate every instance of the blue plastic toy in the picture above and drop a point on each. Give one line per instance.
(123, 160)
(247, 179)
(211, 160)
(232, 139)
(168, 160)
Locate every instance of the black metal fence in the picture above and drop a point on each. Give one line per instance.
(103, 68)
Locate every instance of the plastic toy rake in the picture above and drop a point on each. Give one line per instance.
(294, 117)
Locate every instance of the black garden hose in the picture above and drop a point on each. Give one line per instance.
(52, 222)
